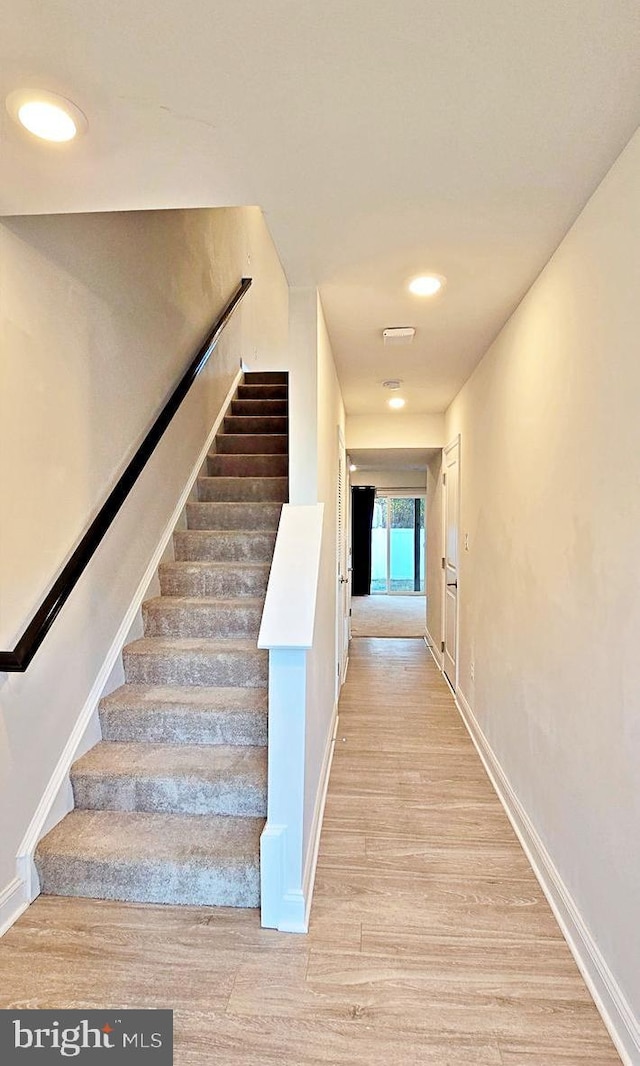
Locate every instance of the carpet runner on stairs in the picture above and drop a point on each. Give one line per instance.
(170, 805)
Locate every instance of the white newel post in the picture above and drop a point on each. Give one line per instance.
(287, 631)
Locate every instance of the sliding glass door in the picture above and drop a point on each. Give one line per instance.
(398, 545)
(380, 545)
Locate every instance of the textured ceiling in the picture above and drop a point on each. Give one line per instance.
(381, 140)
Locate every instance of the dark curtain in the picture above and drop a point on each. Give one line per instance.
(363, 498)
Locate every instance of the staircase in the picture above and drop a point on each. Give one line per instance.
(169, 807)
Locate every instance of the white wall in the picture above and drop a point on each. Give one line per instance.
(302, 363)
(550, 589)
(98, 316)
(399, 429)
(322, 662)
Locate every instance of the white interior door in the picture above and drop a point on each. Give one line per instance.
(451, 490)
(344, 584)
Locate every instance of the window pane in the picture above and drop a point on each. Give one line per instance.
(379, 546)
(402, 561)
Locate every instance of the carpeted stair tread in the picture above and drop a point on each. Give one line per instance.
(253, 408)
(155, 858)
(196, 661)
(258, 465)
(172, 778)
(202, 616)
(252, 444)
(233, 516)
(243, 490)
(266, 377)
(262, 392)
(224, 545)
(258, 423)
(228, 580)
(211, 647)
(185, 714)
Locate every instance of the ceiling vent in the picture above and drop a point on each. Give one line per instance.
(398, 335)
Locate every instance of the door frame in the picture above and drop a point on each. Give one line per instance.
(343, 560)
(455, 443)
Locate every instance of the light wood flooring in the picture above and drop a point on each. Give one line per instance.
(430, 940)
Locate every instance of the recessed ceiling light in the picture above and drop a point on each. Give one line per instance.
(46, 115)
(396, 401)
(352, 467)
(426, 285)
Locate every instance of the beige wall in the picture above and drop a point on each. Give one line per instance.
(399, 429)
(98, 316)
(550, 588)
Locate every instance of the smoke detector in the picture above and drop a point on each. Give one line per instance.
(398, 335)
(392, 383)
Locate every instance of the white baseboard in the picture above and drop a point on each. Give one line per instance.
(284, 911)
(13, 902)
(434, 648)
(616, 1012)
(57, 800)
(309, 875)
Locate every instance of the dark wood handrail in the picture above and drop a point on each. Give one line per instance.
(17, 661)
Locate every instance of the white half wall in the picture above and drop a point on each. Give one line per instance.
(289, 631)
(550, 586)
(99, 314)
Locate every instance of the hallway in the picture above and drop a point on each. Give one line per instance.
(430, 940)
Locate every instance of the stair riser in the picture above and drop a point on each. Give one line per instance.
(252, 444)
(226, 515)
(248, 465)
(266, 377)
(205, 580)
(147, 882)
(255, 424)
(158, 725)
(201, 620)
(262, 392)
(168, 796)
(243, 490)
(259, 407)
(204, 545)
